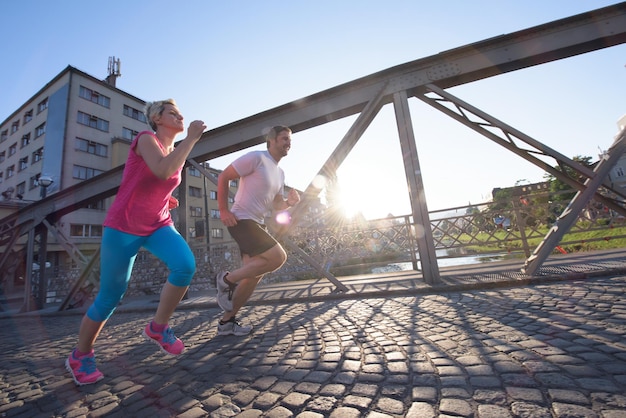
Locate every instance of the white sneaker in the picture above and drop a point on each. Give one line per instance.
(233, 327)
(224, 292)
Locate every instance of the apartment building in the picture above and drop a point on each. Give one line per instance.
(617, 176)
(75, 128)
(203, 215)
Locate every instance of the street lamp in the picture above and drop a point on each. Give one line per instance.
(44, 182)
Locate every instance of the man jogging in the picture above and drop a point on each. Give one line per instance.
(260, 193)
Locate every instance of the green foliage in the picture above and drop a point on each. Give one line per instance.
(557, 186)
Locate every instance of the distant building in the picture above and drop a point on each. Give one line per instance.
(522, 189)
(617, 176)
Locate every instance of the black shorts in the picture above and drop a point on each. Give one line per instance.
(252, 237)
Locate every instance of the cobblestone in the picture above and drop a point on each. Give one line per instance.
(542, 350)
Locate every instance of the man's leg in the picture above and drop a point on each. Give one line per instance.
(248, 276)
(259, 265)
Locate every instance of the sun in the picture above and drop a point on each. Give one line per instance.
(350, 205)
(355, 198)
(363, 191)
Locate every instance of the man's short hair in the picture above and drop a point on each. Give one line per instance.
(274, 131)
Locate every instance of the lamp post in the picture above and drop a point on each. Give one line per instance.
(40, 285)
(44, 182)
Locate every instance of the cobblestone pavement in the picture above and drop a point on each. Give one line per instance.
(546, 350)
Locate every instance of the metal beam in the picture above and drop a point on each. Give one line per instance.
(339, 154)
(511, 139)
(537, 45)
(417, 196)
(575, 207)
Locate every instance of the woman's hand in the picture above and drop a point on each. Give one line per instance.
(173, 203)
(195, 130)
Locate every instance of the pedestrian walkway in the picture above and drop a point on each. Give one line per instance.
(460, 277)
(553, 346)
(399, 283)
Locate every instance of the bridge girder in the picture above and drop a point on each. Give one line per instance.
(579, 34)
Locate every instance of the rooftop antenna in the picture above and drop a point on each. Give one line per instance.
(114, 71)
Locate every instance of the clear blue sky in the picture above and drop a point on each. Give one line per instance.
(226, 60)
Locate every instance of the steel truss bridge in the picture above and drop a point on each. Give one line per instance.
(425, 79)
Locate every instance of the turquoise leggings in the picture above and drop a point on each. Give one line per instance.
(118, 253)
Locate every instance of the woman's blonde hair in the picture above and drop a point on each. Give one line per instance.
(154, 109)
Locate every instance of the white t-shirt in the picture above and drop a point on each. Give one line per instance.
(260, 181)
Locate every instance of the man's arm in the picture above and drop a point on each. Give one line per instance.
(282, 204)
(223, 189)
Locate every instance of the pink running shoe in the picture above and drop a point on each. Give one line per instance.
(166, 340)
(83, 369)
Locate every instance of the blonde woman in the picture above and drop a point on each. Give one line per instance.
(140, 217)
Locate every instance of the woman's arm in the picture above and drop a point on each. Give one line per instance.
(163, 166)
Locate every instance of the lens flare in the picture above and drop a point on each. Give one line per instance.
(283, 218)
(319, 181)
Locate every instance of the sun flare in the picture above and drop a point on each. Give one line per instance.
(354, 199)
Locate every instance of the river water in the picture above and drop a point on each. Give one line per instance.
(441, 262)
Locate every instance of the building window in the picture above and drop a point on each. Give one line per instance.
(195, 191)
(28, 116)
(15, 126)
(93, 121)
(619, 171)
(4, 135)
(12, 149)
(195, 211)
(94, 96)
(85, 230)
(43, 105)
(134, 113)
(33, 182)
(215, 214)
(193, 171)
(1, 176)
(99, 205)
(234, 183)
(84, 173)
(10, 171)
(25, 140)
(20, 190)
(37, 156)
(23, 164)
(213, 195)
(3, 156)
(40, 130)
(217, 233)
(91, 147)
(129, 134)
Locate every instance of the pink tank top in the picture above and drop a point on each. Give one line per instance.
(142, 202)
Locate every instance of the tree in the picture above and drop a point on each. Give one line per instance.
(562, 191)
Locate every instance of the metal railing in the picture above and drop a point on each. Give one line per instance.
(507, 228)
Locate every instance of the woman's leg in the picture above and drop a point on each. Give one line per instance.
(171, 248)
(118, 252)
(88, 333)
